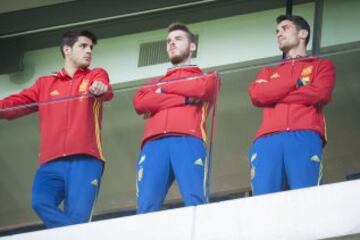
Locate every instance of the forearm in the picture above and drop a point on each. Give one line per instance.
(309, 95)
(199, 87)
(11, 109)
(152, 103)
(317, 90)
(266, 93)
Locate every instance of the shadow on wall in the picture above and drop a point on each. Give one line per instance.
(24, 76)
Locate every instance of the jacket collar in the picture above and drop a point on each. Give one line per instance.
(62, 74)
(299, 58)
(186, 69)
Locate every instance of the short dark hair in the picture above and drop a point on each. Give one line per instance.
(298, 21)
(69, 38)
(181, 26)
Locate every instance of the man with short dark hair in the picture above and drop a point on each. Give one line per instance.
(71, 158)
(173, 145)
(287, 152)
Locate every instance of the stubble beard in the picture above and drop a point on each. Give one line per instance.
(180, 58)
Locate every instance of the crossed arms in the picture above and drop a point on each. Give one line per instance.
(265, 92)
(159, 95)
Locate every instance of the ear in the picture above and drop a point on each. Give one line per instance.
(192, 47)
(303, 34)
(66, 50)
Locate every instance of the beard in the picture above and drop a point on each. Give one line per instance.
(289, 45)
(83, 64)
(177, 59)
(284, 49)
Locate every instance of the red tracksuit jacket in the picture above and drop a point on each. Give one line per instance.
(168, 110)
(287, 106)
(67, 126)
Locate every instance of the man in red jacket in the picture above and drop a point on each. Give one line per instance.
(287, 152)
(69, 103)
(173, 144)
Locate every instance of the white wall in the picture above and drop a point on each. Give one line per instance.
(311, 213)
